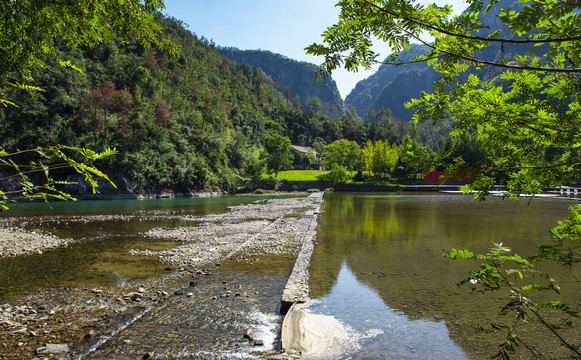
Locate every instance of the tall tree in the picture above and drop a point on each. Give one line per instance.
(380, 157)
(277, 152)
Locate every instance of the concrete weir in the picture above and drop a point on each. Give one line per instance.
(297, 339)
(297, 286)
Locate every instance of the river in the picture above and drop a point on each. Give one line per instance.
(377, 267)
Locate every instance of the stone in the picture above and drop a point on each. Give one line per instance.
(314, 335)
(134, 296)
(53, 349)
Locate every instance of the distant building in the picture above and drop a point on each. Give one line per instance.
(307, 159)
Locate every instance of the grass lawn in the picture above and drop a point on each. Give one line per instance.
(299, 175)
(315, 175)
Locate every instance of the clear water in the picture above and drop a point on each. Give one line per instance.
(105, 232)
(207, 325)
(378, 268)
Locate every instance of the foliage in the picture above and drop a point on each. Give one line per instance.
(344, 153)
(193, 120)
(509, 82)
(414, 159)
(294, 79)
(45, 162)
(277, 152)
(337, 174)
(380, 157)
(529, 108)
(32, 32)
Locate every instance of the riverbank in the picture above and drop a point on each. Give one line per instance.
(80, 319)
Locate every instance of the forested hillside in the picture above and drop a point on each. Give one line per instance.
(194, 121)
(297, 78)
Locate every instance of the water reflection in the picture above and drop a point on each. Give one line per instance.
(393, 243)
(381, 330)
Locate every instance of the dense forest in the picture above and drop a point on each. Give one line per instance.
(194, 121)
(295, 77)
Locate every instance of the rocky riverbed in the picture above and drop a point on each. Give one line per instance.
(72, 322)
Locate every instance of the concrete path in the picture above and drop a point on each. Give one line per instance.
(297, 286)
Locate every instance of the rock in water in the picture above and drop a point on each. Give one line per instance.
(54, 349)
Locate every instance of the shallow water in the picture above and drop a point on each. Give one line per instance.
(378, 268)
(106, 231)
(235, 298)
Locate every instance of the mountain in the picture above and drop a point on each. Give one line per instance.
(189, 122)
(392, 86)
(298, 77)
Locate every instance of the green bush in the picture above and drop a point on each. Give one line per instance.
(338, 174)
(313, 190)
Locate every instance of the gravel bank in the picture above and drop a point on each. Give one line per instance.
(16, 241)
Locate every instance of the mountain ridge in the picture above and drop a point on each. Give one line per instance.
(296, 77)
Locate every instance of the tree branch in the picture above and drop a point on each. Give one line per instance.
(472, 37)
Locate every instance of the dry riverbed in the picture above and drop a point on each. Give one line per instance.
(76, 318)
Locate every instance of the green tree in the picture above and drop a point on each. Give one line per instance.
(510, 78)
(277, 153)
(314, 104)
(380, 157)
(344, 153)
(414, 160)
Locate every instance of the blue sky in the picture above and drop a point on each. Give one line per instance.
(284, 27)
